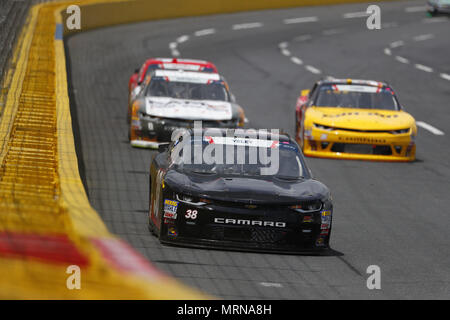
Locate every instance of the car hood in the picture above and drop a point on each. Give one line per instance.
(360, 119)
(246, 189)
(188, 109)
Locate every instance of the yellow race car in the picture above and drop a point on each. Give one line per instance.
(354, 119)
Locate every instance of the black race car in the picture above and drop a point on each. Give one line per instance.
(257, 194)
(436, 7)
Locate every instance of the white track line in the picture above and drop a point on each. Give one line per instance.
(296, 60)
(396, 44)
(423, 68)
(283, 45)
(183, 39)
(434, 20)
(387, 51)
(389, 25)
(423, 37)
(173, 45)
(313, 70)
(286, 52)
(401, 59)
(250, 25)
(175, 53)
(430, 128)
(303, 37)
(416, 9)
(271, 284)
(445, 76)
(204, 32)
(351, 15)
(300, 20)
(331, 32)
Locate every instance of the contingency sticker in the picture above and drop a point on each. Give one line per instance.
(170, 206)
(238, 141)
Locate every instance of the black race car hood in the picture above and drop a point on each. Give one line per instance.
(246, 189)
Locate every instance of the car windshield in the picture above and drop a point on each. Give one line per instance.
(446, 2)
(151, 68)
(356, 96)
(248, 161)
(159, 87)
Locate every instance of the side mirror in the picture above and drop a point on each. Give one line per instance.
(136, 70)
(163, 147)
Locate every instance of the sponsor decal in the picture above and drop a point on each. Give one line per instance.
(354, 88)
(170, 215)
(325, 222)
(326, 213)
(307, 219)
(168, 221)
(238, 141)
(172, 232)
(170, 206)
(260, 223)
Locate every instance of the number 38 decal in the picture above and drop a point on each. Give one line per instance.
(191, 214)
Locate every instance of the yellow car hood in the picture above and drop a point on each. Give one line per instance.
(359, 119)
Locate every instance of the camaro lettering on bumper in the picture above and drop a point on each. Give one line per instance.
(261, 223)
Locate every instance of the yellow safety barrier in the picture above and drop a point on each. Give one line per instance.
(46, 221)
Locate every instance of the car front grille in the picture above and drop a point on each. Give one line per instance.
(362, 149)
(246, 234)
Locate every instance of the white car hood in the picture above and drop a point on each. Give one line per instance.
(188, 109)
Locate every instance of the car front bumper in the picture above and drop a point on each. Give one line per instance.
(302, 232)
(149, 132)
(375, 146)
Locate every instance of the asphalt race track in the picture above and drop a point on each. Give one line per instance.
(394, 215)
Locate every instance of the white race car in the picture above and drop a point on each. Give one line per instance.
(175, 99)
